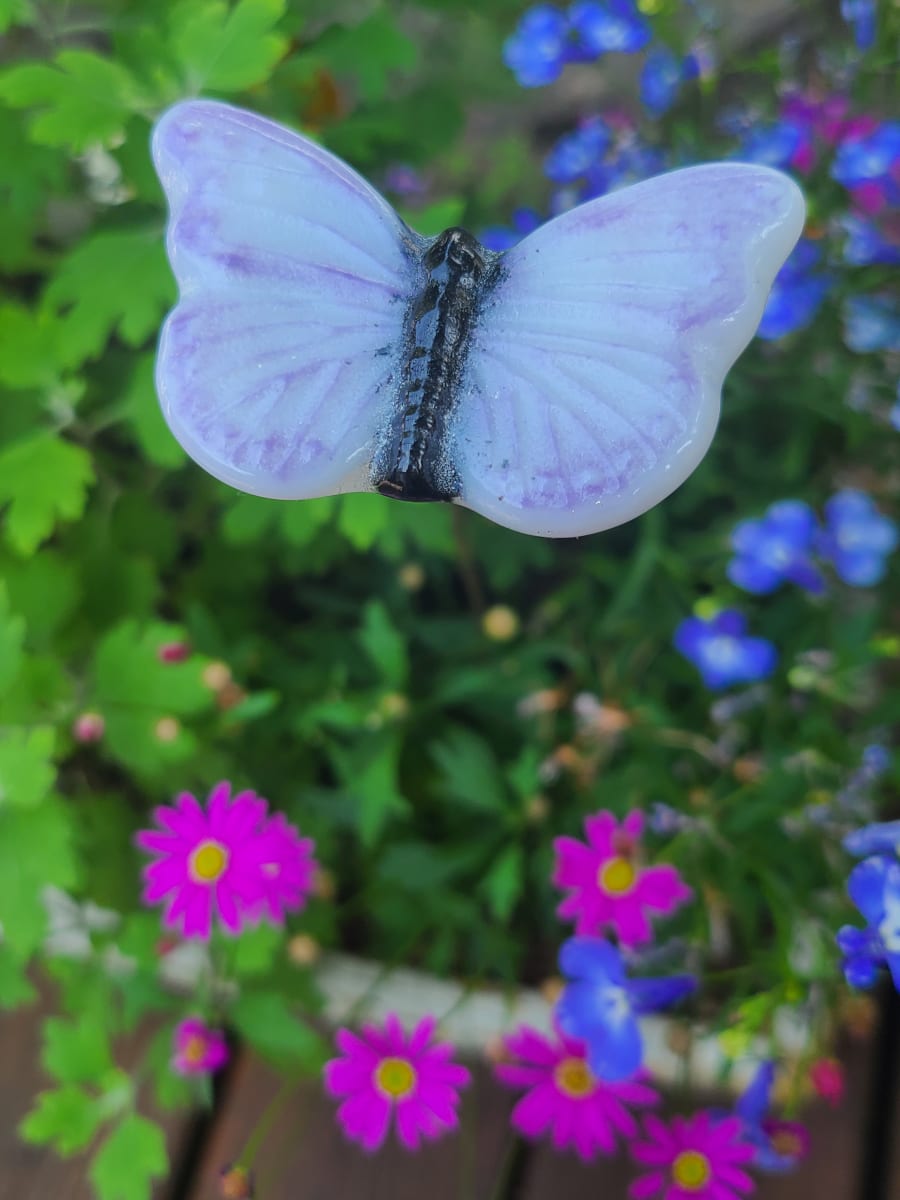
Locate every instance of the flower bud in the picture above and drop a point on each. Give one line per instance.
(88, 727)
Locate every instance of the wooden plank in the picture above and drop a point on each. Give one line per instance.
(305, 1153)
(831, 1172)
(34, 1173)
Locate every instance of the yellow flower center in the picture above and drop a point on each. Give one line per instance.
(395, 1077)
(691, 1170)
(573, 1077)
(617, 876)
(195, 1049)
(208, 862)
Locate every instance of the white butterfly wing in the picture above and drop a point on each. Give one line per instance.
(593, 382)
(274, 369)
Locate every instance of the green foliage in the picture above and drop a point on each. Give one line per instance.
(129, 1160)
(337, 655)
(43, 480)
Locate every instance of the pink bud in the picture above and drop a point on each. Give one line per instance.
(827, 1077)
(173, 652)
(88, 727)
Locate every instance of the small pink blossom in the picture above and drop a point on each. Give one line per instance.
(696, 1158)
(173, 652)
(608, 885)
(199, 1050)
(827, 1077)
(88, 727)
(565, 1098)
(286, 868)
(226, 860)
(386, 1073)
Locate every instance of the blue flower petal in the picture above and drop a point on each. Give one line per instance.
(881, 838)
(753, 1105)
(591, 959)
(651, 995)
(866, 886)
(752, 576)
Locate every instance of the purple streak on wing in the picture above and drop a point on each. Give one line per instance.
(276, 366)
(593, 386)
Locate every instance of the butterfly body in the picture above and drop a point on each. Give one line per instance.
(319, 346)
(414, 463)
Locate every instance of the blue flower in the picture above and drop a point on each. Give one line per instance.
(779, 1144)
(866, 243)
(661, 79)
(499, 237)
(720, 649)
(881, 838)
(870, 160)
(776, 549)
(771, 145)
(857, 538)
(576, 153)
(613, 25)
(874, 887)
(860, 16)
(871, 323)
(600, 1005)
(540, 47)
(796, 294)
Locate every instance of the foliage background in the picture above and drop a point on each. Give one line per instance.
(347, 657)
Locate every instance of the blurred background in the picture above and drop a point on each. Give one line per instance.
(430, 697)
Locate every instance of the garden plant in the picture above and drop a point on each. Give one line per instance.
(647, 769)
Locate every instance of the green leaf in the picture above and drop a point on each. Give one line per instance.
(470, 773)
(502, 885)
(275, 1032)
(27, 347)
(140, 407)
(68, 1118)
(129, 1160)
(255, 950)
(16, 988)
(36, 849)
(384, 645)
(12, 637)
(27, 773)
(82, 98)
(76, 1051)
(436, 217)
(361, 518)
(369, 52)
(112, 282)
(227, 50)
(368, 771)
(47, 588)
(14, 12)
(44, 480)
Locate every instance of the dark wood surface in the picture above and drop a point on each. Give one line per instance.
(305, 1157)
(31, 1172)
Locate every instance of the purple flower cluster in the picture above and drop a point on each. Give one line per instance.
(662, 77)
(797, 293)
(721, 650)
(868, 166)
(547, 38)
(780, 547)
(775, 549)
(872, 324)
(861, 17)
(874, 888)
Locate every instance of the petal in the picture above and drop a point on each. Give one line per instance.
(866, 887)
(575, 862)
(600, 829)
(661, 887)
(647, 1185)
(535, 1112)
(365, 1118)
(591, 958)
(344, 1076)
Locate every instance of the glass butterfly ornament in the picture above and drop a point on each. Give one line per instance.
(565, 386)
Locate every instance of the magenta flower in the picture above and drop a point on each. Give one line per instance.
(386, 1073)
(286, 868)
(696, 1158)
(565, 1098)
(226, 860)
(608, 886)
(198, 1049)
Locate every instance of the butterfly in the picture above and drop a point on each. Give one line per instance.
(565, 386)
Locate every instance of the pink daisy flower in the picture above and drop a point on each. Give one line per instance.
(564, 1096)
(225, 860)
(286, 868)
(608, 885)
(386, 1073)
(696, 1158)
(198, 1049)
